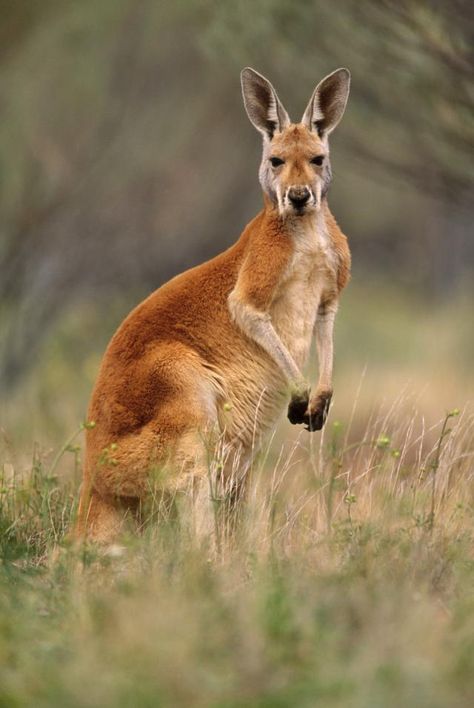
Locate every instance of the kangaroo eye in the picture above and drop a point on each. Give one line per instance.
(318, 160)
(276, 161)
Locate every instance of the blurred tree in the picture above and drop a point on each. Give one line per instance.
(125, 155)
(412, 71)
(19, 19)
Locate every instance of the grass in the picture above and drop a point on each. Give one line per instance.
(349, 582)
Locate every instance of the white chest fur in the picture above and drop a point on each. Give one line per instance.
(310, 275)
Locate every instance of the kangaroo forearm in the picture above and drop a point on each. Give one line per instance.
(265, 335)
(324, 345)
(258, 327)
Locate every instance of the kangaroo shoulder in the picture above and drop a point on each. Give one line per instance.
(341, 249)
(268, 251)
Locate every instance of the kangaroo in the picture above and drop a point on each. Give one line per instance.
(210, 358)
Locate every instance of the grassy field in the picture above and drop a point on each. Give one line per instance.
(350, 579)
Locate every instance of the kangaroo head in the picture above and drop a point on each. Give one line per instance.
(295, 172)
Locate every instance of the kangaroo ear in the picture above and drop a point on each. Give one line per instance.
(328, 102)
(262, 103)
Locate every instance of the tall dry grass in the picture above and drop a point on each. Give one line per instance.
(347, 581)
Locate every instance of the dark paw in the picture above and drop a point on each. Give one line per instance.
(317, 412)
(297, 408)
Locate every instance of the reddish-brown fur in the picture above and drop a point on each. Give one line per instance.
(179, 362)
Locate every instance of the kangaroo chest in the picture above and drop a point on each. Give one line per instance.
(310, 278)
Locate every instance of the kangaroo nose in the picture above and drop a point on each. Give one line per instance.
(298, 196)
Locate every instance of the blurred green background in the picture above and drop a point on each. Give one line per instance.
(126, 156)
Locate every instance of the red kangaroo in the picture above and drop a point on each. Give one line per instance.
(209, 359)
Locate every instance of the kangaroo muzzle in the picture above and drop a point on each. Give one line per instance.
(299, 197)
